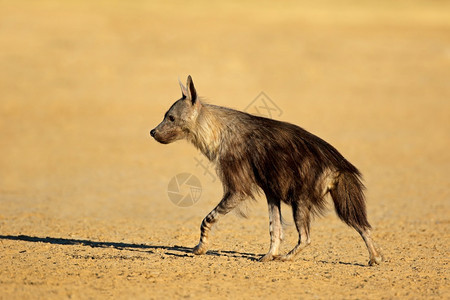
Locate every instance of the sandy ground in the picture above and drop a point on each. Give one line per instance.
(84, 206)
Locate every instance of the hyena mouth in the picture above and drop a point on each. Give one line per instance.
(163, 139)
(157, 138)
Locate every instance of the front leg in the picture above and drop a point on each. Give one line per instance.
(228, 202)
(275, 229)
(205, 228)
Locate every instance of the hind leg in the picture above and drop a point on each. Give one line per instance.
(375, 256)
(275, 229)
(302, 219)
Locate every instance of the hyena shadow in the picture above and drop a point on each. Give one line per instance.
(176, 250)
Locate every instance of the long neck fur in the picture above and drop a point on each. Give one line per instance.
(206, 134)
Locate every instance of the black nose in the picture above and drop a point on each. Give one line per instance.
(152, 132)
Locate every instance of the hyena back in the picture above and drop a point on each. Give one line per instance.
(286, 162)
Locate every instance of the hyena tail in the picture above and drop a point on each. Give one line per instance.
(349, 200)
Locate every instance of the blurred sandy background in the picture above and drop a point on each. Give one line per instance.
(84, 210)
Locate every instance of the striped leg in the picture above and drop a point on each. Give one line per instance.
(275, 229)
(302, 219)
(229, 201)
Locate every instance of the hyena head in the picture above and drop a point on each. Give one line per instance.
(180, 119)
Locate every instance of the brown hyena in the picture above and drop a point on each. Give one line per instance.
(286, 162)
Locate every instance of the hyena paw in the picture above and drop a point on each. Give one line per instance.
(268, 257)
(287, 257)
(199, 249)
(375, 260)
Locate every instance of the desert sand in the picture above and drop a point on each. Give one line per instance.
(84, 204)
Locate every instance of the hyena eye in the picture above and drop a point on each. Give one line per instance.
(171, 118)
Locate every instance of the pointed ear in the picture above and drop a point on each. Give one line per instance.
(191, 92)
(183, 89)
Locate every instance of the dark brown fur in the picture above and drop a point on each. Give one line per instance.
(286, 162)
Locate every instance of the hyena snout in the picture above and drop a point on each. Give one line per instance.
(165, 135)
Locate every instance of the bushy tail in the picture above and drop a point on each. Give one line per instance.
(349, 200)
